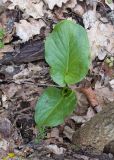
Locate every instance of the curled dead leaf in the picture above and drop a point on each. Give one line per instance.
(55, 149)
(91, 96)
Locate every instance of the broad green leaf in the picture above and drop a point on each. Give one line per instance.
(54, 106)
(67, 52)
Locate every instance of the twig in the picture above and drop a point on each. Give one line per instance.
(23, 110)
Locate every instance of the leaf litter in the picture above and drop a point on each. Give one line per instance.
(26, 30)
(21, 87)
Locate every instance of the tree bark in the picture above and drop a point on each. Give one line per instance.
(29, 52)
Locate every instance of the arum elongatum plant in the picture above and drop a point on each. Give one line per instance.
(67, 52)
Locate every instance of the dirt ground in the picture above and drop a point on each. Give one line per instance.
(24, 75)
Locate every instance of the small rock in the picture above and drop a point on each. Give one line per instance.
(111, 156)
(112, 83)
(10, 69)
(97, 132)
(5, 127)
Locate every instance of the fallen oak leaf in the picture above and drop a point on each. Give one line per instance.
(51, 3)
(29, 7)
(91, 96)
(26, 30)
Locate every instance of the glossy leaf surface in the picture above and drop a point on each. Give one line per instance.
(54, 106)
(67, 52)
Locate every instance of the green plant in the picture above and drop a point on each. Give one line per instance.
(1, 38)
(110, 61)
(41, 135)
(68, 54)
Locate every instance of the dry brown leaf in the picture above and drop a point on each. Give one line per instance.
(109, 71)
(7, 19)
(4, 101)
(82, 105)
(52, 3)
(55, 149)
(68, 132)
(26, 30)
(90, 113)
(104, 95)
(30, 7)
(92, 3)
(79, 10)
(71, 3)
(4, 145)
(89, 19)
(54, 133)
(7, 48)
(91, 96)
(79, 119)
(11, 90)
(27, 72)
(101, 36)
(1, 55)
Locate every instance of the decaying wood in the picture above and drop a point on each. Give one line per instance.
(97, 132)
(28, 53)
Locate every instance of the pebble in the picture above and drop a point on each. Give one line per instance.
(5, 128)
(10, 69)
(112, 83)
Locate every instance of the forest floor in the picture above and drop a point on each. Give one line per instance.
(24, 74)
